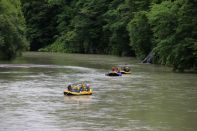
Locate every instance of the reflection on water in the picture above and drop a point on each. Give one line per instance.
(152, 98)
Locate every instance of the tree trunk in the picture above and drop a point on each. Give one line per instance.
(149, 58)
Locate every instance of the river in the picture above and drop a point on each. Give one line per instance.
(152, 98)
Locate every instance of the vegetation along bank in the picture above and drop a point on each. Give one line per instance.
(166, 28)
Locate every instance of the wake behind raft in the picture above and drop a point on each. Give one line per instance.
(78, 89)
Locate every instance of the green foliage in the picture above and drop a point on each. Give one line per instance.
(140, 34)
(116, 19)
(12, 29)
(173, 24)
(41, 22)
(80, 26)
(119, 27)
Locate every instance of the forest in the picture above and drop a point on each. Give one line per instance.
(12, 29)
(167, 28)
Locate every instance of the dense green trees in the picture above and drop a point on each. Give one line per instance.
(41, 22)
(174, 26)
(169, 30)
(12, 29)
(140, 34)
(80, 27)
(118, 27)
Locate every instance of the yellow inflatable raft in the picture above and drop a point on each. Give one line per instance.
(66, 92)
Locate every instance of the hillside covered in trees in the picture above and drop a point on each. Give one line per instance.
(12, 29)
(167, 28)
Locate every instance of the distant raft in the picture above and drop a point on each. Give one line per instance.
(78, 89)
(119, 70)
(125, 72)
(113, 73)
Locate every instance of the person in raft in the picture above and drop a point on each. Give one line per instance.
(113, 69)
(82, 87)
(126, 68)
(69, 87)
(79, 87)
(85, 87)
(73, 88)
(116, 69)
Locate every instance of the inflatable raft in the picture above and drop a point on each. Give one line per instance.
(125, 72)
(114, 74)
(66, 92)
(78, 89)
